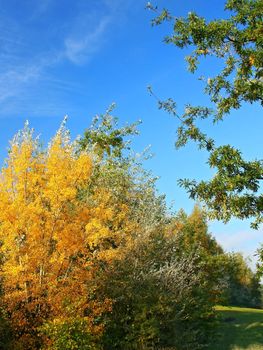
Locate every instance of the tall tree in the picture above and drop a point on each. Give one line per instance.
(161, 283)
(53, 238)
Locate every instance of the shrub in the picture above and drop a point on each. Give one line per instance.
(160, 298)
(68, 335)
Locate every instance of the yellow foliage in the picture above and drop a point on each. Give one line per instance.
(251, 60)
(51, 238)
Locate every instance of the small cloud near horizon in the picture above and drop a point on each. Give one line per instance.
(246, 242)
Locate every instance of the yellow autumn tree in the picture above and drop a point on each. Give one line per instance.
(53, 235)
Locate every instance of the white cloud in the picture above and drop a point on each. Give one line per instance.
(16, 79)
(246, 242)
(12, 80)
(80, 38)
(239, 239)
(91, 29)
(41, 6)
(82, 46)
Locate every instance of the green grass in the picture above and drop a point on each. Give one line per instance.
(240, 328)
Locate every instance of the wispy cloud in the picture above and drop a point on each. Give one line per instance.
(239, 239)
(40, 7)
(92, 29)
(246, 242)
(12, 80)
(80, 48)
(17, 78)
(79, 37)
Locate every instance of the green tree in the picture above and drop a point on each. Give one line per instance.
(238, 284)
(194, 233)
(243, 286)
(160, 293)
(162, 296)
(236, 43)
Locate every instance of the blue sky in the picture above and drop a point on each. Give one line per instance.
(77, 57)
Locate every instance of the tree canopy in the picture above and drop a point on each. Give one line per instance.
(236, 43)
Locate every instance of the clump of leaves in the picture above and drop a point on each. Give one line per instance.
(235, 42)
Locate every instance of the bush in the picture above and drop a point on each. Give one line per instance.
(161, 298)
(68, 335)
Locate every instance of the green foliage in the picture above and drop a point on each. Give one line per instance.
(162, 274)
(238, 284)
(237, 40)
(122, 174)
(193, 231)
(160, 290)
(260, 264)
(5, 332)
(236, 43)
(105, 138)
(234, 189)
(68, 335)
(161, 297)
(243, 286)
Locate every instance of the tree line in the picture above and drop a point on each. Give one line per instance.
(91, 258)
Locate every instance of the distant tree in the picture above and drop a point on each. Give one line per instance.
(193, 230)
(238, 284)
(260, 265)
(243, 285)
(236, 43)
